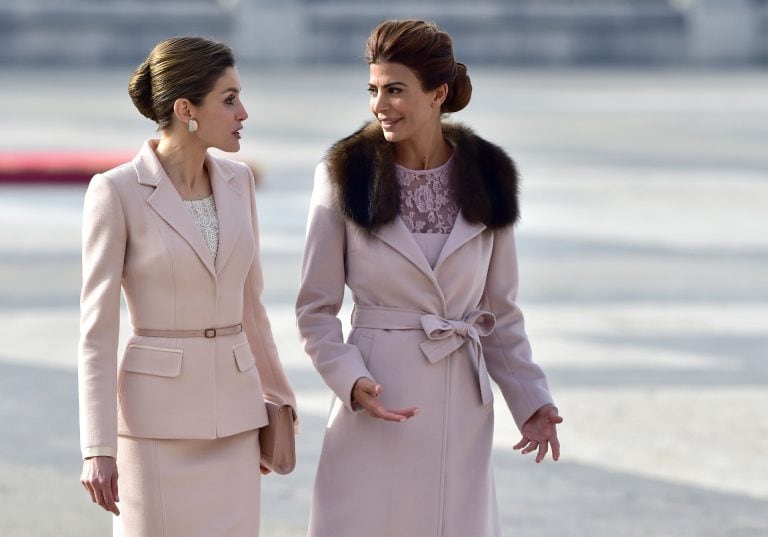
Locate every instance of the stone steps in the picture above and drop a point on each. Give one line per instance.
(548, 32)
(93, 33)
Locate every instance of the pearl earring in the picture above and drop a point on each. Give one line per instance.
(192, 125)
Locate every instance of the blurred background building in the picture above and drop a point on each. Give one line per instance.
(549, 32)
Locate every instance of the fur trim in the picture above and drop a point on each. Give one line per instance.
(362, 171)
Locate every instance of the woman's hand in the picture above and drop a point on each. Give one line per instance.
(264, 470)
(540, 432)
(366, 393)
(100, 480)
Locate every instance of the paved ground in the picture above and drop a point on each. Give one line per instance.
(644, 261)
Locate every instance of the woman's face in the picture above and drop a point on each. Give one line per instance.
(220, 117)
(403, 109)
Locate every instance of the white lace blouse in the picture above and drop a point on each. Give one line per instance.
(427, 200)
(204, 213)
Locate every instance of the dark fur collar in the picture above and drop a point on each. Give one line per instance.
(362, 172)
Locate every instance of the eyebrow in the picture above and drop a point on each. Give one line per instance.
(236, 90)
(389, 85)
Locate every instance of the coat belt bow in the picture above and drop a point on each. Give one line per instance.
(447, 335)
(444, 336)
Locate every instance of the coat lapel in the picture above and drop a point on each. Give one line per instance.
(396, 235)
(165, 200)
(462, 232)
(229, 209)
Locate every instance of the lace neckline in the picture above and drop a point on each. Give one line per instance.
(207, 199)
(447, 164)
(204, 213)
(427, 201)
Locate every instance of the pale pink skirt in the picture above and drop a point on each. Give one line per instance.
(189, 488)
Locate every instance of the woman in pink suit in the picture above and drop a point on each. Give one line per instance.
(416, 217)
(171, 435)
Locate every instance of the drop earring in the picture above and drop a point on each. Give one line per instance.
(192, 125)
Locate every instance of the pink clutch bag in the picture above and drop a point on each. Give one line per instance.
(277, 438)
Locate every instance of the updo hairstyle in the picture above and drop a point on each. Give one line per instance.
(179, 67)
(427, 51)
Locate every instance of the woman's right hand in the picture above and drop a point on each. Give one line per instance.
(366, 393)
(100, 480)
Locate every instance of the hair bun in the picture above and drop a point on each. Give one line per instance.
(460, 90)
(140, 90)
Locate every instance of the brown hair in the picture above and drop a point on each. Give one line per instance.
(427, 51)
(179, 67)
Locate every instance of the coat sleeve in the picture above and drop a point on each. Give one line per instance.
(321, 294)
(104, 242)
(507, 350)
(257, 327)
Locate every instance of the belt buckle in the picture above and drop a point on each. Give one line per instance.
(210, 333)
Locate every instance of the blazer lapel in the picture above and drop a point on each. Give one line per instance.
(396, 235)
(462, 232)
(165, 200)
(229, 209)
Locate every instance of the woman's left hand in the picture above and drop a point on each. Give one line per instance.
(264, 470)
(540, 432)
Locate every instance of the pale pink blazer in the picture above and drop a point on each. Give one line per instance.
(138, 235)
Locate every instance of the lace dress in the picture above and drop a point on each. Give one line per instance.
(428, 206)
(204, 213)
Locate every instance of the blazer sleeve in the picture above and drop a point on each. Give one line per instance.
(321, 295)
(257, 327)
(507, 350)
(104, 242)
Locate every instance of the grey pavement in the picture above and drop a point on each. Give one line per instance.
(644, 279)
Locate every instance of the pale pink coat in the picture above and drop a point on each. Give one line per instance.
(417, 332)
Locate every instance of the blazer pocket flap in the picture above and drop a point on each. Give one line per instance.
(244, 357)
(159, 361)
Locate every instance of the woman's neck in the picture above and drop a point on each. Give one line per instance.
(184, 164)
(425, 152)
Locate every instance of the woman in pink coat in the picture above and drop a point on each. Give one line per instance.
(416, 217)
(170, 437)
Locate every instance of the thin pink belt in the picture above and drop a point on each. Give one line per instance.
(444, 336)
(206, 333)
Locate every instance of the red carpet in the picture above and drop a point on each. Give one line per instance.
(57, 167)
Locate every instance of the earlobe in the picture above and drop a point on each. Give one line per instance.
(182, 110)
(440, 94)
